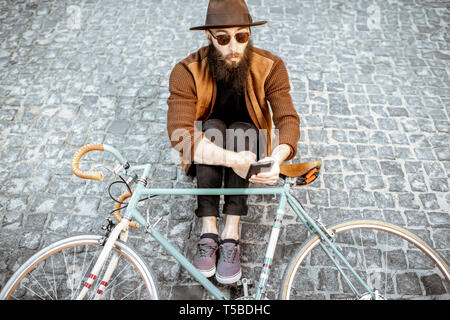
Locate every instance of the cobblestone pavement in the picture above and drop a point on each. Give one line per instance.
(370, 80)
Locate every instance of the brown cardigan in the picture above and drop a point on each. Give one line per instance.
(193, 93)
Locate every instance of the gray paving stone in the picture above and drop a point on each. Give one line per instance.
(387, 124)
(399, 138)
(348, 150)
(367, 151)
(386, 152)
(443, 154)
(397, 184)
(339, 198)
(433, 169)
(367, 122)
(384, 200)
(439, 219)
(378, 137)
(355, 181)
(332, 165)
(440, 184)
(357, 137)
(319, 197)
(390, 168)
(360, 198)
(333, 181)
(417, 183)
(429, 201)
(376, 182)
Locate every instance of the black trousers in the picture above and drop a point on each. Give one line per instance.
(238, 136)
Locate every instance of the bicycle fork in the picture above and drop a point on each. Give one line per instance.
(120, 230)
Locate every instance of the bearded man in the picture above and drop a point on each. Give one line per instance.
(216, 92)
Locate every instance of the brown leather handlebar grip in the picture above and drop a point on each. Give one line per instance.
(117, 214)
(94, 175)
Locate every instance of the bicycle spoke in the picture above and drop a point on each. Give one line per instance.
(54, 278)
(66, 268)
(132, 291)
(386, 265)
(364, 256)
(50, 285)
(39, 284)
(111, 282)
(83, 270)
(74, 253)
(33, 292)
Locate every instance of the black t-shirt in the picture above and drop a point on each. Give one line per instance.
(229, 106)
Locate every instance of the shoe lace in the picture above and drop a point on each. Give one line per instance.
(228, 254)
(206, 250)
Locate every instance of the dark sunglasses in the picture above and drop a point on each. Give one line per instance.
(224, 39)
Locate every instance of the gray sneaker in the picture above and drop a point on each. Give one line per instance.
(205, 258)
(229, 265)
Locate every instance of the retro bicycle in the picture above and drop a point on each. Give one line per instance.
(366, 260)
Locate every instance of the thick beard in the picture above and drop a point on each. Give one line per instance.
(235, 75)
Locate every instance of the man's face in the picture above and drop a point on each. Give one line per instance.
(232, 52)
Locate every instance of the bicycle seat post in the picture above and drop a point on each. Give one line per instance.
(290, 181)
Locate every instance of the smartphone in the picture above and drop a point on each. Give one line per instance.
(257, 167)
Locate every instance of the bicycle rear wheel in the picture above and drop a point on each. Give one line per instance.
(392, 261)
(59, 272)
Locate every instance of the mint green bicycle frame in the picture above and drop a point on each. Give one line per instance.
(285, 198)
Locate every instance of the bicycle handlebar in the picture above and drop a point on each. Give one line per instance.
(118, 215)
(94, 175)
(98, 175)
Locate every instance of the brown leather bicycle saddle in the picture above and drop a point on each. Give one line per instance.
(305, 172)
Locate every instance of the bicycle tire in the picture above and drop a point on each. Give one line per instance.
(433, 281)
(31, 273)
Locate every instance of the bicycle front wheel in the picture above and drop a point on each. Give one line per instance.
(391, 261)
(59, 272)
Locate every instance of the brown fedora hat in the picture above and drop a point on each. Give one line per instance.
(227, 13)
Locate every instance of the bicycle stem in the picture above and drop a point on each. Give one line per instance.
(115, 153)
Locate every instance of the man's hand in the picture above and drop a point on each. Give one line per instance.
(267, 177)
(279, 154)
(208, 153)
(242, 162)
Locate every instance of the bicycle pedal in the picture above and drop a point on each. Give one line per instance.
(244, 282)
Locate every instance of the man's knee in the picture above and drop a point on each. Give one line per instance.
(215, 130)
(242, 125)
(242, 136)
